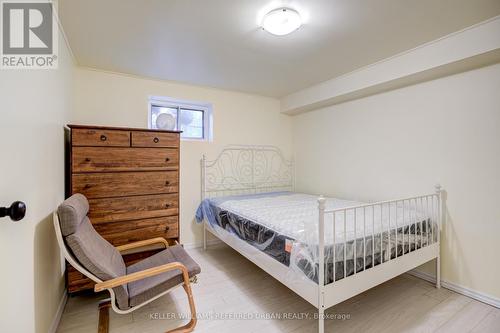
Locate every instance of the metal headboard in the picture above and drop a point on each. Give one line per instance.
(242, 169)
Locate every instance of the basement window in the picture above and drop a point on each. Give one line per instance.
(194, 119)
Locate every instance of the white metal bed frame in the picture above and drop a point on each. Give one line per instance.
(241, 169)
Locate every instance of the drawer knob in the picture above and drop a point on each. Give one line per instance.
(87, 159)
(167, 183)
(156, 140)
(167, 205)
(167, 159)
(103, 137)
(167, 228)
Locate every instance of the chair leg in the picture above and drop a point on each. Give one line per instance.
(103, 326)
(189, 327)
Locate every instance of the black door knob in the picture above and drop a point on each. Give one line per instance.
(16, 211)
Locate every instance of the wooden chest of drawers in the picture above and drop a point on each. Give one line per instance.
(131, 178)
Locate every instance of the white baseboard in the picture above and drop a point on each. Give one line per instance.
(59, 312)
(424, 276)
(479, 296)
(210, 242)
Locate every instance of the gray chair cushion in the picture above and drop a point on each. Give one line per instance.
(143, 290)
(92, 251)
(71, 213)
(99, 257)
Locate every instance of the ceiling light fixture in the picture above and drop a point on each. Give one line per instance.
(281, 21)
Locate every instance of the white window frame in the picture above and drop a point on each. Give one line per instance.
(169, 102)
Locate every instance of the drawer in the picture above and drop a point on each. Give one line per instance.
(95, 159)
(77, 281)
(100, 137)
(133, 208)
(155, 139)
(121, 184)
(119, 233)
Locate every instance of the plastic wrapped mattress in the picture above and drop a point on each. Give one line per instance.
(284, 225)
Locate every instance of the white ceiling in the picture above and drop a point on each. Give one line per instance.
(218, 42)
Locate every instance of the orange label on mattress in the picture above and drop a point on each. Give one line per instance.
(288, 246)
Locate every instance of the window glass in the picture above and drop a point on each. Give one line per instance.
(163, 117)
(191, 123)
(194, 119)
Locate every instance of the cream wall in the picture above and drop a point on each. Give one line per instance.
(103, 98)
(401, 143)
(34, 106)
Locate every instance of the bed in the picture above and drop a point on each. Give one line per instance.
(324, 249)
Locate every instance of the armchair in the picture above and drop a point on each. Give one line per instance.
(130, 287)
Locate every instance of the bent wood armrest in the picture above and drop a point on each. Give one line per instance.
(141, 275)
(143, 243)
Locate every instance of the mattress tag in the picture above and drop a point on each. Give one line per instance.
(288, 245)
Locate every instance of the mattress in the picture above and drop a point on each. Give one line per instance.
(284, 225)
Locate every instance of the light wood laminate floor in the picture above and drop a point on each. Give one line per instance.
(230, 285)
